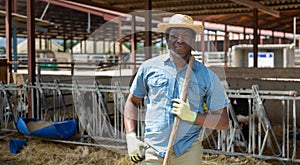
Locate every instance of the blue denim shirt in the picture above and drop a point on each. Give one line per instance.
(159, 80)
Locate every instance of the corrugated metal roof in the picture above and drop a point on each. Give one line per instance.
(72, 23)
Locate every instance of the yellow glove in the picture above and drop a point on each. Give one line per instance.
(183, 111)
(135, 147)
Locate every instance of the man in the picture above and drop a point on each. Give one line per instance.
(161, 79)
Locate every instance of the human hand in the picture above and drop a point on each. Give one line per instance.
(135, 147)
(183, 111)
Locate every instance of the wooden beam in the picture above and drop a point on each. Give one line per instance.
(258, 6)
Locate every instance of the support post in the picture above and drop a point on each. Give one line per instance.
(295, 31)
(148, 30)
(8, 35)
(120, 41)
(255, 35)
(133, 44)
(203, 45)
(226, 46)
(31, 56)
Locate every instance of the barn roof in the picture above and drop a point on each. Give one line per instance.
(70, 19)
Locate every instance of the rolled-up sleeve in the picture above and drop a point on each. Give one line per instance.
(216, 98)
(138, 87)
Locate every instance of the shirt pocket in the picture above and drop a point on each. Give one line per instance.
(158, 88)
(158, 81)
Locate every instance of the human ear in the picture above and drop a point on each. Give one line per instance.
(167, 40)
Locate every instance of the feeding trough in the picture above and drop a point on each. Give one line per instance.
(54, 130)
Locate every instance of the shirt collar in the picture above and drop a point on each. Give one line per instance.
(167, 57)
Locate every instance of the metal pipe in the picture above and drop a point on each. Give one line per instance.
(45, 10)
(283, 127)
(89, 24)
(294, 129)
(251, 122)
(106, 14)
(288, 129)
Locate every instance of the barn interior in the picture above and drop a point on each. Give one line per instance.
(64, 60)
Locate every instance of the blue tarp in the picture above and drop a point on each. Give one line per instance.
(57, 130)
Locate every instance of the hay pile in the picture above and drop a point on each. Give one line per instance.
(48, 153)
(209, 159)
(36, 125)
(41, 152)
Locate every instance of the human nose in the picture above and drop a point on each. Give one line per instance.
(180, 39)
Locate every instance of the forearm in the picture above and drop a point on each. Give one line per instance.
(130, 118)
(131, 114)
(134, 145)
(217, 120)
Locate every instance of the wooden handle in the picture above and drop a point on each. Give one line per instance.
(183, 97)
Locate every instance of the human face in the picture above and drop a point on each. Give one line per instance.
(180, 41)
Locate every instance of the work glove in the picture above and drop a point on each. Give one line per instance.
(135, 147)
(183, 111)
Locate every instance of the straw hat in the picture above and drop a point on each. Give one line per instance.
(180, 20)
